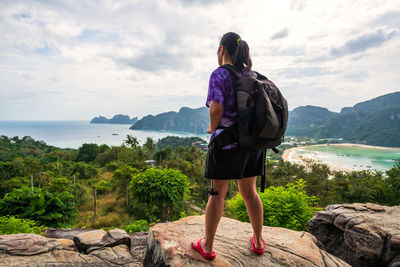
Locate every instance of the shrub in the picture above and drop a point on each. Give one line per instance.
(137, 226)
(103, 187)
(108, 210)
(60, 184)
(164, 189)
(14, 225)
(51, 209)
(393, 184)
(288, 206)
(112, 166)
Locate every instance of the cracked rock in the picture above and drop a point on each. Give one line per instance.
(169, 245)
(362, 234)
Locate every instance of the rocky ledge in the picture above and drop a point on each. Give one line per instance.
(169, 245)
(74, 247)
(362, 234)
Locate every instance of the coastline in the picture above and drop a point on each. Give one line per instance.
(292, 155)
(358, 145)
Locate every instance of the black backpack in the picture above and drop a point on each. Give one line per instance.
(262, 115)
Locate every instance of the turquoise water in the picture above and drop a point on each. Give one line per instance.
(72, 134)
(354, 157)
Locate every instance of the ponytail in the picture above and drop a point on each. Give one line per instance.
(238, 50)
(241, 58)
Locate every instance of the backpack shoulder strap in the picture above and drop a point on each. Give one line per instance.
(260, 76)
(232, 70)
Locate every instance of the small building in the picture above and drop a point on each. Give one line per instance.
(200, 145)
(152, 162)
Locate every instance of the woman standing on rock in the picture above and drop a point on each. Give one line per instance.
(230, 161)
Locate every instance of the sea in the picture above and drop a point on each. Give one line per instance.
(352, 157)
(72, 134)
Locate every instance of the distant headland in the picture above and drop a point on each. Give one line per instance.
(117, 119)
(374, 122)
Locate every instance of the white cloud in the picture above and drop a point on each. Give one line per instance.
(78, 59)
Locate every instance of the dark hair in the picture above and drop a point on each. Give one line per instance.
(238, 50)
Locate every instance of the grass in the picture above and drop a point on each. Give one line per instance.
(111, 212)
(115, 218)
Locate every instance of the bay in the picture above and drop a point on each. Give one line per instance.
(74, 133)
(349, 157)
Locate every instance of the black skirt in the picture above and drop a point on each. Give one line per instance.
(234, 163)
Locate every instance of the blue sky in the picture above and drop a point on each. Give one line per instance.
(73, 60)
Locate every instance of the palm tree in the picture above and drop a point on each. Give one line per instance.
(130, 141)
(150, 146)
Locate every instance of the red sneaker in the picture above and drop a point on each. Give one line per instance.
(199, 249)
(257, 251)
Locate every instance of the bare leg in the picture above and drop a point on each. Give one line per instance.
(214, 210)
(247, 188)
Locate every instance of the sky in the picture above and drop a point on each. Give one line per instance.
(74, 60)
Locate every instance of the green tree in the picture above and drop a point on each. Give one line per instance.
(107, 156)
(88, 152)
(149, 147)
(60, 184)
(161, 188)
(362, 186)
(82, 170)
(12, 168)
(32, 166)
(121, 179)
(163, 155)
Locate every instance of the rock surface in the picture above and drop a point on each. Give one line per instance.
(67, 244)
(64, 233)
(362, 234)
(27, 244)
(112, 248)
(169, 245)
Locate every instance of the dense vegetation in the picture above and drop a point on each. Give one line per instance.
(374, 122)
(14, 225)
(284, 206)
(42, 185)
(175, 142)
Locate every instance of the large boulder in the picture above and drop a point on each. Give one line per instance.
(169, 245)
(27, 244)
(97, 248)
(89, 241)
(362, 234)
(85, 241)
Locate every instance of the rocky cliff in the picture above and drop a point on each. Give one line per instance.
(76, 247)
(357, 234)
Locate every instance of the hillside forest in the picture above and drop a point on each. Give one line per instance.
(134, 186)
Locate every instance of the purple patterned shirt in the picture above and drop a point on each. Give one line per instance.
(221, 90)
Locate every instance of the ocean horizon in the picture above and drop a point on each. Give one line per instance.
(74, 133)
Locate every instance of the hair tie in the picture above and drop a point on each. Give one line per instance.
(238, 40)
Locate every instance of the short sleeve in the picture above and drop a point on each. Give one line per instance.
(215, 88)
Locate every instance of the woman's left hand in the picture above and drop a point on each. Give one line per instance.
(209, 129)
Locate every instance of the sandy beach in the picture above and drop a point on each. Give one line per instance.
(294, 155)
